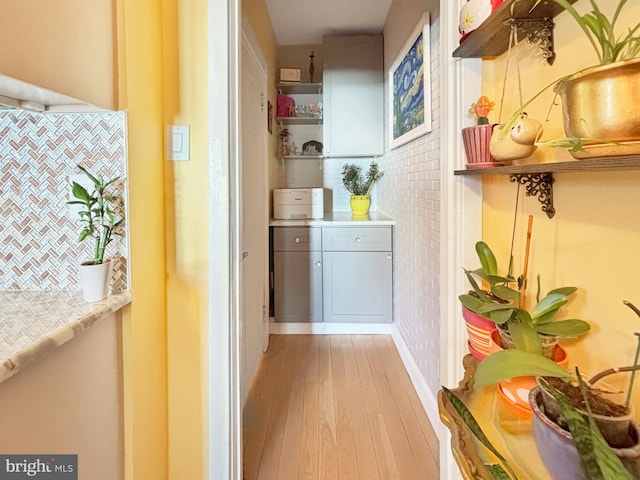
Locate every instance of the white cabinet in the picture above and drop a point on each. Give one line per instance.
(304, 125)
(353, 80)
(332, 274)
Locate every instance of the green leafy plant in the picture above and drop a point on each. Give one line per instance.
(596, 456)
(600, 31)
(609, 47)
(101, 212)
(355, 182)
(497, 471)
(502, 304)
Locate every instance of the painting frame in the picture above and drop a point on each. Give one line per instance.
(410, 114)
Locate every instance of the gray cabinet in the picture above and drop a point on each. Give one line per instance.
(353, 82)
(297, 274)
(357, 274)
(332, 274)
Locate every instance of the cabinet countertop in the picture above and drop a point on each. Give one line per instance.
(337, 219)
(33, 323)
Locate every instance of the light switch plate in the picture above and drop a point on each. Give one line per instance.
(178, 143)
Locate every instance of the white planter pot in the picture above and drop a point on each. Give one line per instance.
(95, 281)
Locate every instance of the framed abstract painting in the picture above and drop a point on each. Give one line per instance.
(410, 88)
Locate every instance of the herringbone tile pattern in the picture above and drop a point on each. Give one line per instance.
(38, 239)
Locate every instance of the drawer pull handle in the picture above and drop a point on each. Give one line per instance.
(318, 264)
(357, 239)
(297, 239)
(388, 256)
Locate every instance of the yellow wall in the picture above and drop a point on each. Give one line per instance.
(66, 46)
(186, 183)
(258, 16)
(144, 326)
(593, 239)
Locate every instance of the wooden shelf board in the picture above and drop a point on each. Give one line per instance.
(302, 157)
(492, 37)
(631, 162)
(299, 88)
(299, 120)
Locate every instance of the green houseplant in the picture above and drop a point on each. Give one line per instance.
(101, 213)
(503, 305)
(359, 185)
(606, 125)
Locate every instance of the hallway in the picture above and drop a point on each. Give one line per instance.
(336, 407)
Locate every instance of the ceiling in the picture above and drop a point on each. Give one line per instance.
(304, 22)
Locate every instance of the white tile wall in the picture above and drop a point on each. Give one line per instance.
(410, 194)
(39, 248)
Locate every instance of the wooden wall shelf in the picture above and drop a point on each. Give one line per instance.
(631, 162)
(538, 178)
(492, 37)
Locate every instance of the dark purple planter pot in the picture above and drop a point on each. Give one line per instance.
(557, 451)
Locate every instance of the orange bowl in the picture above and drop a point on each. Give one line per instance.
(514, 392)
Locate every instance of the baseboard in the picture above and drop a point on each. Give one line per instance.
(427, 397)
(322, 328)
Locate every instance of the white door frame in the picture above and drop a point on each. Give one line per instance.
(223, 456)
(461, 209)
(250, 45)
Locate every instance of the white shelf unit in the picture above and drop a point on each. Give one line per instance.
(304, 128)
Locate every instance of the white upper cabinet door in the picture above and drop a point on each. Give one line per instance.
(353, 96)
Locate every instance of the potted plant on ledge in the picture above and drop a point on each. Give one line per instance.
(360, 186)
(607, 124)
(101, 211)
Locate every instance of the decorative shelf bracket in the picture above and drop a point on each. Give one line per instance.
(538, 185)
(539, 31)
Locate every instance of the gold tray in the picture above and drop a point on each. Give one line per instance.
(509, 433)
(596, 150)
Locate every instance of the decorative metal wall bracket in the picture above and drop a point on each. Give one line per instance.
(538, 185)
(539, 31)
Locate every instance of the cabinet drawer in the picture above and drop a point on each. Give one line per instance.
(297, 239)
(362, 239)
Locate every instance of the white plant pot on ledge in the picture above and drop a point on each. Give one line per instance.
(95, 281)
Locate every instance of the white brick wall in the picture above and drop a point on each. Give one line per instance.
(409, 193)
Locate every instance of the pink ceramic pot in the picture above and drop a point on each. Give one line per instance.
(477, 139)
(479, 330)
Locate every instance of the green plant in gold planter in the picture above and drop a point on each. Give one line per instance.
(604, 125)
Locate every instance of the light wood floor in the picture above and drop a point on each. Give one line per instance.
(336, 407)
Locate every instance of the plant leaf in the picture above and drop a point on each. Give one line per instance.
(552, 302)
(487, 258)
(472, 303)
(566, 291)
(564, 328)
(525, 337)
(515, 363)
(497, 472)
(506, 293)
(501, 316)
(469, 420)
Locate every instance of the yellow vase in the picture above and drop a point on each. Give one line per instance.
(360, 204)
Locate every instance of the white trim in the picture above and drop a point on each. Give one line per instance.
(322, 328)
(427, 397)
(221, 376)
(461, 209)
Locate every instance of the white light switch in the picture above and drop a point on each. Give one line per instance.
(178, 142)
